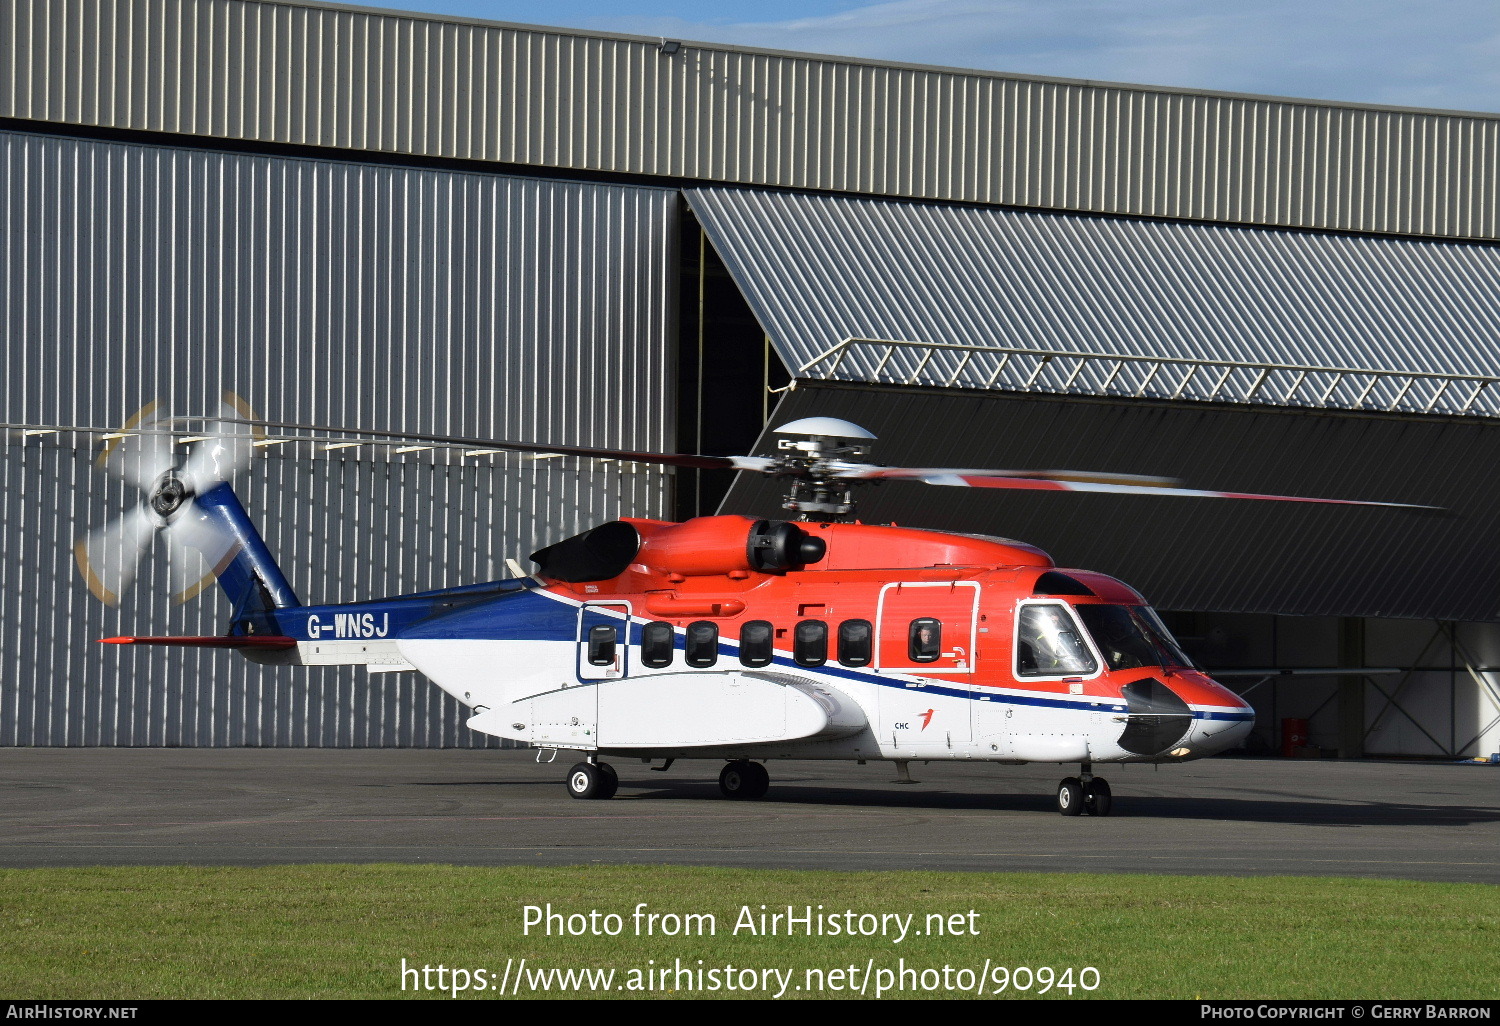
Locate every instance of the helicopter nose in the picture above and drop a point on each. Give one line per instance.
(1226, 722)
(1211, 735)
(1185, 716)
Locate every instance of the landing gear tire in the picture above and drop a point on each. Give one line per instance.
(611, 780)
(1070, 800)
(1097, 797)
(745, 780)
(592, 780)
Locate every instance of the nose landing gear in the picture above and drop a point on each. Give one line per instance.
(1084, 793)
(593, 779)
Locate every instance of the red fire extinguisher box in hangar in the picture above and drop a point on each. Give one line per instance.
(1294, 735)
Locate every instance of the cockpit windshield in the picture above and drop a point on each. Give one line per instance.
(1131, 637)
(1164, 636)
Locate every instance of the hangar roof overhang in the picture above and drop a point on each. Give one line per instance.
(1197, 554)
(938, 295)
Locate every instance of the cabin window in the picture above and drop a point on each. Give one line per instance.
(924, 640)
(810, 643)
(854, 643)
(755, 643)
(656, 644)
(1048, 643)
(603, 640)
(702, 647)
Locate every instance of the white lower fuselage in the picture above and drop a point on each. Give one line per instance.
(545, 693)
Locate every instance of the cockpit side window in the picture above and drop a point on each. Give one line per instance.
(1048, 643)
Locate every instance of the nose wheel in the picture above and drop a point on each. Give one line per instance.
(593, 780)
(744, 779)
(1084, 794)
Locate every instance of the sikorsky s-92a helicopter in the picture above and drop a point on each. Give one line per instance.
(731, 638)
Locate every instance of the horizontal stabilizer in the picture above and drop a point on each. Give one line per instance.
(219, 641)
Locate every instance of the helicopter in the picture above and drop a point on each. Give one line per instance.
(730, 638)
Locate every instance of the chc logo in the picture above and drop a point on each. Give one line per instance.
(926, 719)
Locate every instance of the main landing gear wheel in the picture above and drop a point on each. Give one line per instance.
(593, 780)
(1097, 797)
(744, 779)
(1070, 798)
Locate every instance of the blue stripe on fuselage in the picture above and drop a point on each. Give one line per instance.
(504, 610)
(527, 614)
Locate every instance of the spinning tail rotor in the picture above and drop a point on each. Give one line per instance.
(143, 454)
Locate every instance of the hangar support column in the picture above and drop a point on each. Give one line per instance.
(1351, 688)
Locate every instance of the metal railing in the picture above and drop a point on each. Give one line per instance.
(960, 365)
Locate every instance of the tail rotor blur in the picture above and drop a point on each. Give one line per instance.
(143, 454)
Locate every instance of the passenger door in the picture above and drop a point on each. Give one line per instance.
(603, 643)
(569, 716)
(926, 628)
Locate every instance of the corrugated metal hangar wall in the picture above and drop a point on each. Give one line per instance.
(322, 292)
(376, 249)
(348, 77)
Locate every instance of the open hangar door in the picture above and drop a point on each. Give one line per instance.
(1411, 599)
(1285, 361)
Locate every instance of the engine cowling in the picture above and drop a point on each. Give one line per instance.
(709, 546)
(702, 547)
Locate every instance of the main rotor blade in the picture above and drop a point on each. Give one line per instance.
(964, 479)
(872, 472)
(688, 460)
(109, 555)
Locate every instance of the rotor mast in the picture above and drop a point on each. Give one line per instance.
(818, 447)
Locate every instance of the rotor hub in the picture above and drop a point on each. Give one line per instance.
(170, 494)
(811, 458)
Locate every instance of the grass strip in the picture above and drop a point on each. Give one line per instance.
(341, 931)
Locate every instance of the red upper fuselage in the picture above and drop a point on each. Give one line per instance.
(887, 577)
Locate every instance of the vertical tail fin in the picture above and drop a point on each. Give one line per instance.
(246, 571)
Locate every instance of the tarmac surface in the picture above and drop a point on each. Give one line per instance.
(92, 806)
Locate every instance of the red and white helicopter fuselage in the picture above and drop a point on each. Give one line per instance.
(730, 637)
(893, 644)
